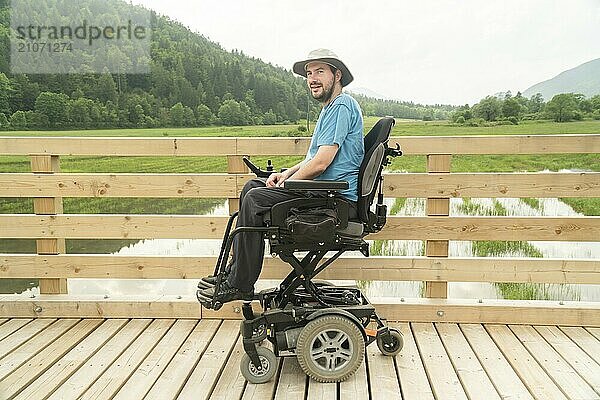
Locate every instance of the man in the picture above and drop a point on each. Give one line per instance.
(336, 152)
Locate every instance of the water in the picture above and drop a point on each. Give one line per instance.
(483, 206)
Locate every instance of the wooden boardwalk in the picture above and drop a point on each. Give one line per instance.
(199, 359)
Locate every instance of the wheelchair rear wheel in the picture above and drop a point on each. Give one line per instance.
(330, 348)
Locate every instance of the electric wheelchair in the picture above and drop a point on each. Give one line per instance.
(326, 326)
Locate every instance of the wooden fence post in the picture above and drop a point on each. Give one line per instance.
(235, 165)
(437, 163)
(48, 164)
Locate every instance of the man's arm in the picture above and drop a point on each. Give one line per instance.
(318, 164)
(306, 169)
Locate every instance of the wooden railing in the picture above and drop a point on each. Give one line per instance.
(50, 227)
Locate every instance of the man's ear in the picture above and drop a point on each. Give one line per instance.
(338, 76)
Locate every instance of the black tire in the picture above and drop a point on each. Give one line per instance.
(330, 348)
(390, 344)
(269, 366)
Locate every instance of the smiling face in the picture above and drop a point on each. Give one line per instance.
(322, 81)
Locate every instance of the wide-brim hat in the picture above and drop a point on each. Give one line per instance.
(325, 56)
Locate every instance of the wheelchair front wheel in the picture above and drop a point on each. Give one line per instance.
(390, 343)
(330, 348)
(268, 362)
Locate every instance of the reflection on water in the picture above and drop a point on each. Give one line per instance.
(508, 206)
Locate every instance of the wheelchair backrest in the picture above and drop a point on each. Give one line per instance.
(372, 165)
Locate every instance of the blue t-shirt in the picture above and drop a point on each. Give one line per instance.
(341, 123)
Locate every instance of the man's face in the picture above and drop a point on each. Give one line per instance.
(320, 80)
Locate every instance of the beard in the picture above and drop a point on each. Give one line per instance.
(325, 95)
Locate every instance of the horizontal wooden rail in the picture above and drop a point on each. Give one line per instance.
(541, 185)
(375, 268)
(533, 312)
(493, 185)
(186, 146)
(102, 226)
(121, 185)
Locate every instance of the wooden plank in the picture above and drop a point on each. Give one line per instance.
(206, 373)
(320, 390)
(142, 379)
(389, 268)
(12, 325)
(231, 383)
(171, 381)
(443, 378)
(117, 374)
(357, 386)
(594, 331)
(235, 165)
(85, 376)
(3, 320)
(424, 145)
(22, 377)
(474, 379)
(47, 165)
(542, 185)
(555, 366)
(118, 185)
(505, 380)
(186, 146)
(96, 306)
(491, 228)
(585, 366)
(382, 375)
(527, 368)
(105, 226)
(411, 371)
(17, 338)
(292, 381)
(30, 348)
(584, 340)
(62, 369)
(117, 146)
(532, 312)
(492, 144)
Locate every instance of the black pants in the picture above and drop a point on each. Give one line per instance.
(249, 247)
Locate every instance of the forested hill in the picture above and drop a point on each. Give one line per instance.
(192, 82)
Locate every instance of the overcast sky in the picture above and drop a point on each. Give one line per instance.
(427, 51)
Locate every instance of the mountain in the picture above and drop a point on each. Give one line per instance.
(584, 79)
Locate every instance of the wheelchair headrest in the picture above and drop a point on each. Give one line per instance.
(372, 165)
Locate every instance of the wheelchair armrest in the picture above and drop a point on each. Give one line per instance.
(302, 184)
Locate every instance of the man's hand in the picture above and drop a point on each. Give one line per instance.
(275, 179)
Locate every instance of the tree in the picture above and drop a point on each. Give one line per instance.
(535, 103)
(18, 121)
(270, 118)
(511, 107)
(106, 89)
(4, 125)
(204, 116)
(5, 93)
(55, 106)
(562, 107)
(231, 113)
(489, 108)
(177, 115)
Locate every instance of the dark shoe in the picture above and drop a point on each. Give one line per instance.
(208, 282)
(226, 293)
